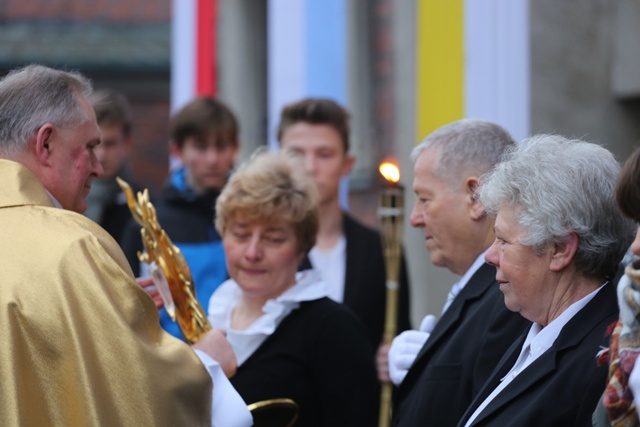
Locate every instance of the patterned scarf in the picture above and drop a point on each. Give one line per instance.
(625, 346)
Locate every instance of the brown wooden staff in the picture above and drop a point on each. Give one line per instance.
(391, 214)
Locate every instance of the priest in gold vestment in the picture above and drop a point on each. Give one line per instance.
(80, 341)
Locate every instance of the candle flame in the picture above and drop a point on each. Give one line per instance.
(390, 172)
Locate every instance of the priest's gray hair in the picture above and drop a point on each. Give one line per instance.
(467, 147)
(558, 186)
(35, 95)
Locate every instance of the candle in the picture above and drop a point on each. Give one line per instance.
(391, 214)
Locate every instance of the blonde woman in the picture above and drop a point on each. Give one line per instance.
(291, 341)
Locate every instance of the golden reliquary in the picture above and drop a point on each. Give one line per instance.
(168, 267)
(172, 277)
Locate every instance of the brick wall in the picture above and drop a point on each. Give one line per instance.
(87, 10)
(148, 92)
(149, 160)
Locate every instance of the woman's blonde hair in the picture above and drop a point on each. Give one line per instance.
(271, 187)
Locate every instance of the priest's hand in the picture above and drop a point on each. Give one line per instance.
(216, 345)
(405, 348)
(150, 288)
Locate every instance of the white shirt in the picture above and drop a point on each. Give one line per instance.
(332, 266)
(53, 199)
(538, 341)
(479, 262)
(228, 409)
(460, 284)
(308, 287)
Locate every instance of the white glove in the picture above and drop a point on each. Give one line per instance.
(405, 348)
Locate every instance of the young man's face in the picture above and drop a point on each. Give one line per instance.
(322, 149)
(208, 161)
(114, 149)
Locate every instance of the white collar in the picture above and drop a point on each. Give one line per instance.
(54, 200)
(308, 287)
(479, 262)
(540, 339)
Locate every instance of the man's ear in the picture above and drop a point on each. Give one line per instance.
(477, 211)
(236, 151)
(347, 165)
(127, 141)
(175, 150)
(44, 144)
(563, 253)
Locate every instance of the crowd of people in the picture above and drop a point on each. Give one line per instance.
(541, 329)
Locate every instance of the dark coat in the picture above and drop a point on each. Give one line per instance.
(319, 357)
(365, 291)
(462, 351)
(563, 386)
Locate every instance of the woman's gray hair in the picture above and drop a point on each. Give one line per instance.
(558, 186)
(472, 146)
(35, 95)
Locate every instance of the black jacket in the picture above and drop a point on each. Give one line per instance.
(365, 290)
(319, 357)
(462, 351)
(563, 386)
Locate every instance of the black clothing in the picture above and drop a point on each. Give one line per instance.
(319, 357)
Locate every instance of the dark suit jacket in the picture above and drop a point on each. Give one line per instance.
(563, 386)
(462, 351)
(365, 290)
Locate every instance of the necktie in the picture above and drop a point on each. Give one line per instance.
(455, 290)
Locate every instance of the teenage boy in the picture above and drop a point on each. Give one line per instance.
(347, 254)
(106, 202)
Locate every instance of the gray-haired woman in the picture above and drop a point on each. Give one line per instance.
(559, 240)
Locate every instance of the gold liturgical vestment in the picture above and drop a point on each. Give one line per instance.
(80, 341)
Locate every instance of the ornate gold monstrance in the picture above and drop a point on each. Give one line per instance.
(169, 269)
(172, 277)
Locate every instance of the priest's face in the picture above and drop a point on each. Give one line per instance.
(71, 161)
